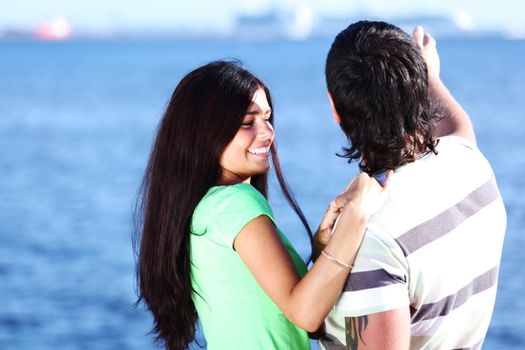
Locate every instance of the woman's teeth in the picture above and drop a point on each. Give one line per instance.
(260, 150)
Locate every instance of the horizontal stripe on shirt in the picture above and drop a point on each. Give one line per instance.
(371, 279)
(445, 222)
(330, 342)
(424, 234)
(444, 306)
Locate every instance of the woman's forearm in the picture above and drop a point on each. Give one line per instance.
(322, 285)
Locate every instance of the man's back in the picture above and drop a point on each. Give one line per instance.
(426, 273)
(434, 247)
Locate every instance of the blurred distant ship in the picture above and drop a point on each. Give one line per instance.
(58, 29)
(300, 23)
(296, 23)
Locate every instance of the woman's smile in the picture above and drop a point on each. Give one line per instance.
(248, 153)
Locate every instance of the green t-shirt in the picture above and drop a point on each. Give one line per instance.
(234, 310)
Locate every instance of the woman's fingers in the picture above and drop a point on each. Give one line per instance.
(367, 195)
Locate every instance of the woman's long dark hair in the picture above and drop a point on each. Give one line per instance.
(204, 114)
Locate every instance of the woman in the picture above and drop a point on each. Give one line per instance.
(209, 244)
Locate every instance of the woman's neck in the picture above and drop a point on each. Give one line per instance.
(229, 178)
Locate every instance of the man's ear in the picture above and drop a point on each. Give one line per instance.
(337, 118)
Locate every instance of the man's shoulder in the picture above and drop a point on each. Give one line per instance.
(431, 185)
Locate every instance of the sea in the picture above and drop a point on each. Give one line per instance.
(77, 120)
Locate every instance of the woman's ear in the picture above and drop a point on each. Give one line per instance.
(337, 118)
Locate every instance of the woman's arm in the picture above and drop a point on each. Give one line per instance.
(307, 301)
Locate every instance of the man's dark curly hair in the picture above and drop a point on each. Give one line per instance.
(378, 81)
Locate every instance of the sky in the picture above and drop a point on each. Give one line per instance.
(110, 15)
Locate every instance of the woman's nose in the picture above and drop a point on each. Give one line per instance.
(265, 130)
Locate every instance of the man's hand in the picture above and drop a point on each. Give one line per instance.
(427, 44)
(455, 121)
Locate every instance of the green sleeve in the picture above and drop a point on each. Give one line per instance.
(235, 207)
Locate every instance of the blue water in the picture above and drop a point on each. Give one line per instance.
(76, 123)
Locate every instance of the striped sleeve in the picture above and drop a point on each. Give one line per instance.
(379, 280)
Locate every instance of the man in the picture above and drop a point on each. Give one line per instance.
(426, 273)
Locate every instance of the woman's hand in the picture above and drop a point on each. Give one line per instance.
(366, 196)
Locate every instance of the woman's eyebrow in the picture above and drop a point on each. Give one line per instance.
(258, 111)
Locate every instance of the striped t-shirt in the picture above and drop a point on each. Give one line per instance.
(434, 247)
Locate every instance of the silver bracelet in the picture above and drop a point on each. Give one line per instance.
(337, 261)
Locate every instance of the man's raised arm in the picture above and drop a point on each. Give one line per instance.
(455, 121)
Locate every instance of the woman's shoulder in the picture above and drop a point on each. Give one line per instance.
(241, 196)
(229, 208)
(238, 192)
